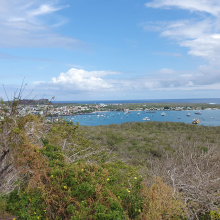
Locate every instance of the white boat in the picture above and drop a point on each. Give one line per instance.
(188, 114)
(163, 113)
(146, 119)
(198, 113)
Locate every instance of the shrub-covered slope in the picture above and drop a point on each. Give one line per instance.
(50, 171)
(187, 157)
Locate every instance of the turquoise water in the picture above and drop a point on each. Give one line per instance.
(207, 117)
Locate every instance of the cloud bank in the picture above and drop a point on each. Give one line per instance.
(200, 34)
(29, 23)
(209, 6)
(93, 84)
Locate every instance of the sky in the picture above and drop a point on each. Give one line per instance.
(110, 49)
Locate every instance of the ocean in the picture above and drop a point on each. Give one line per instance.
(200, 100)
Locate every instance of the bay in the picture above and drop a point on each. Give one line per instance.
(206, 118)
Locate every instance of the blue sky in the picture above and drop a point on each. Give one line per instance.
(112, 49)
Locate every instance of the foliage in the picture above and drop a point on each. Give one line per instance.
(215, 214)
(185, 156)
(162, 203)
(3, 206)
(62, 175)
(63, 171)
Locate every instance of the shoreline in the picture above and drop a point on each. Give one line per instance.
(129, 111)
(206, 117)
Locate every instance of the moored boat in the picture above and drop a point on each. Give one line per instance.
(195, 121)
(146, 119)
(198, 113)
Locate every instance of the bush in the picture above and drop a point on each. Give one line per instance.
(65, 176)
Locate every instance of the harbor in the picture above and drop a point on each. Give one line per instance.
(206, 118)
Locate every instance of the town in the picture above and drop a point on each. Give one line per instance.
(46, 108)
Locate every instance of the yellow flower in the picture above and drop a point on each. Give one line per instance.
(128, 191)
(135, 178)
(65, 187)
(14, 218)
(45, 210)
(139, 210)
(51, 176)
(35, 213)
(119, 197)
(108, 179)
(38, 217)
(82, 170)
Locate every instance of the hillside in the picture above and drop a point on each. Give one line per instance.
(128, 171)
(186, 156)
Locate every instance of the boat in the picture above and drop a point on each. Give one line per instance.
(146, 119)
(188, 114)
(195, 121)
(163, 113)
(198, 113)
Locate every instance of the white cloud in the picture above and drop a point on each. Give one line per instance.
(43, 9)
(83, 80)
(188, 29)
(25, 23)
(77, 82)
(209, 6)
(205, 77)
(199, 33)
(206, 47)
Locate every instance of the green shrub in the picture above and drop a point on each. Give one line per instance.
(88, 187)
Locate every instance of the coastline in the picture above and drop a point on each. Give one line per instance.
(130, 110)
(206, 118)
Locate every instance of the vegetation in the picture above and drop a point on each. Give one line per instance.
(186, 157)
(49, 171)
(129, 171)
